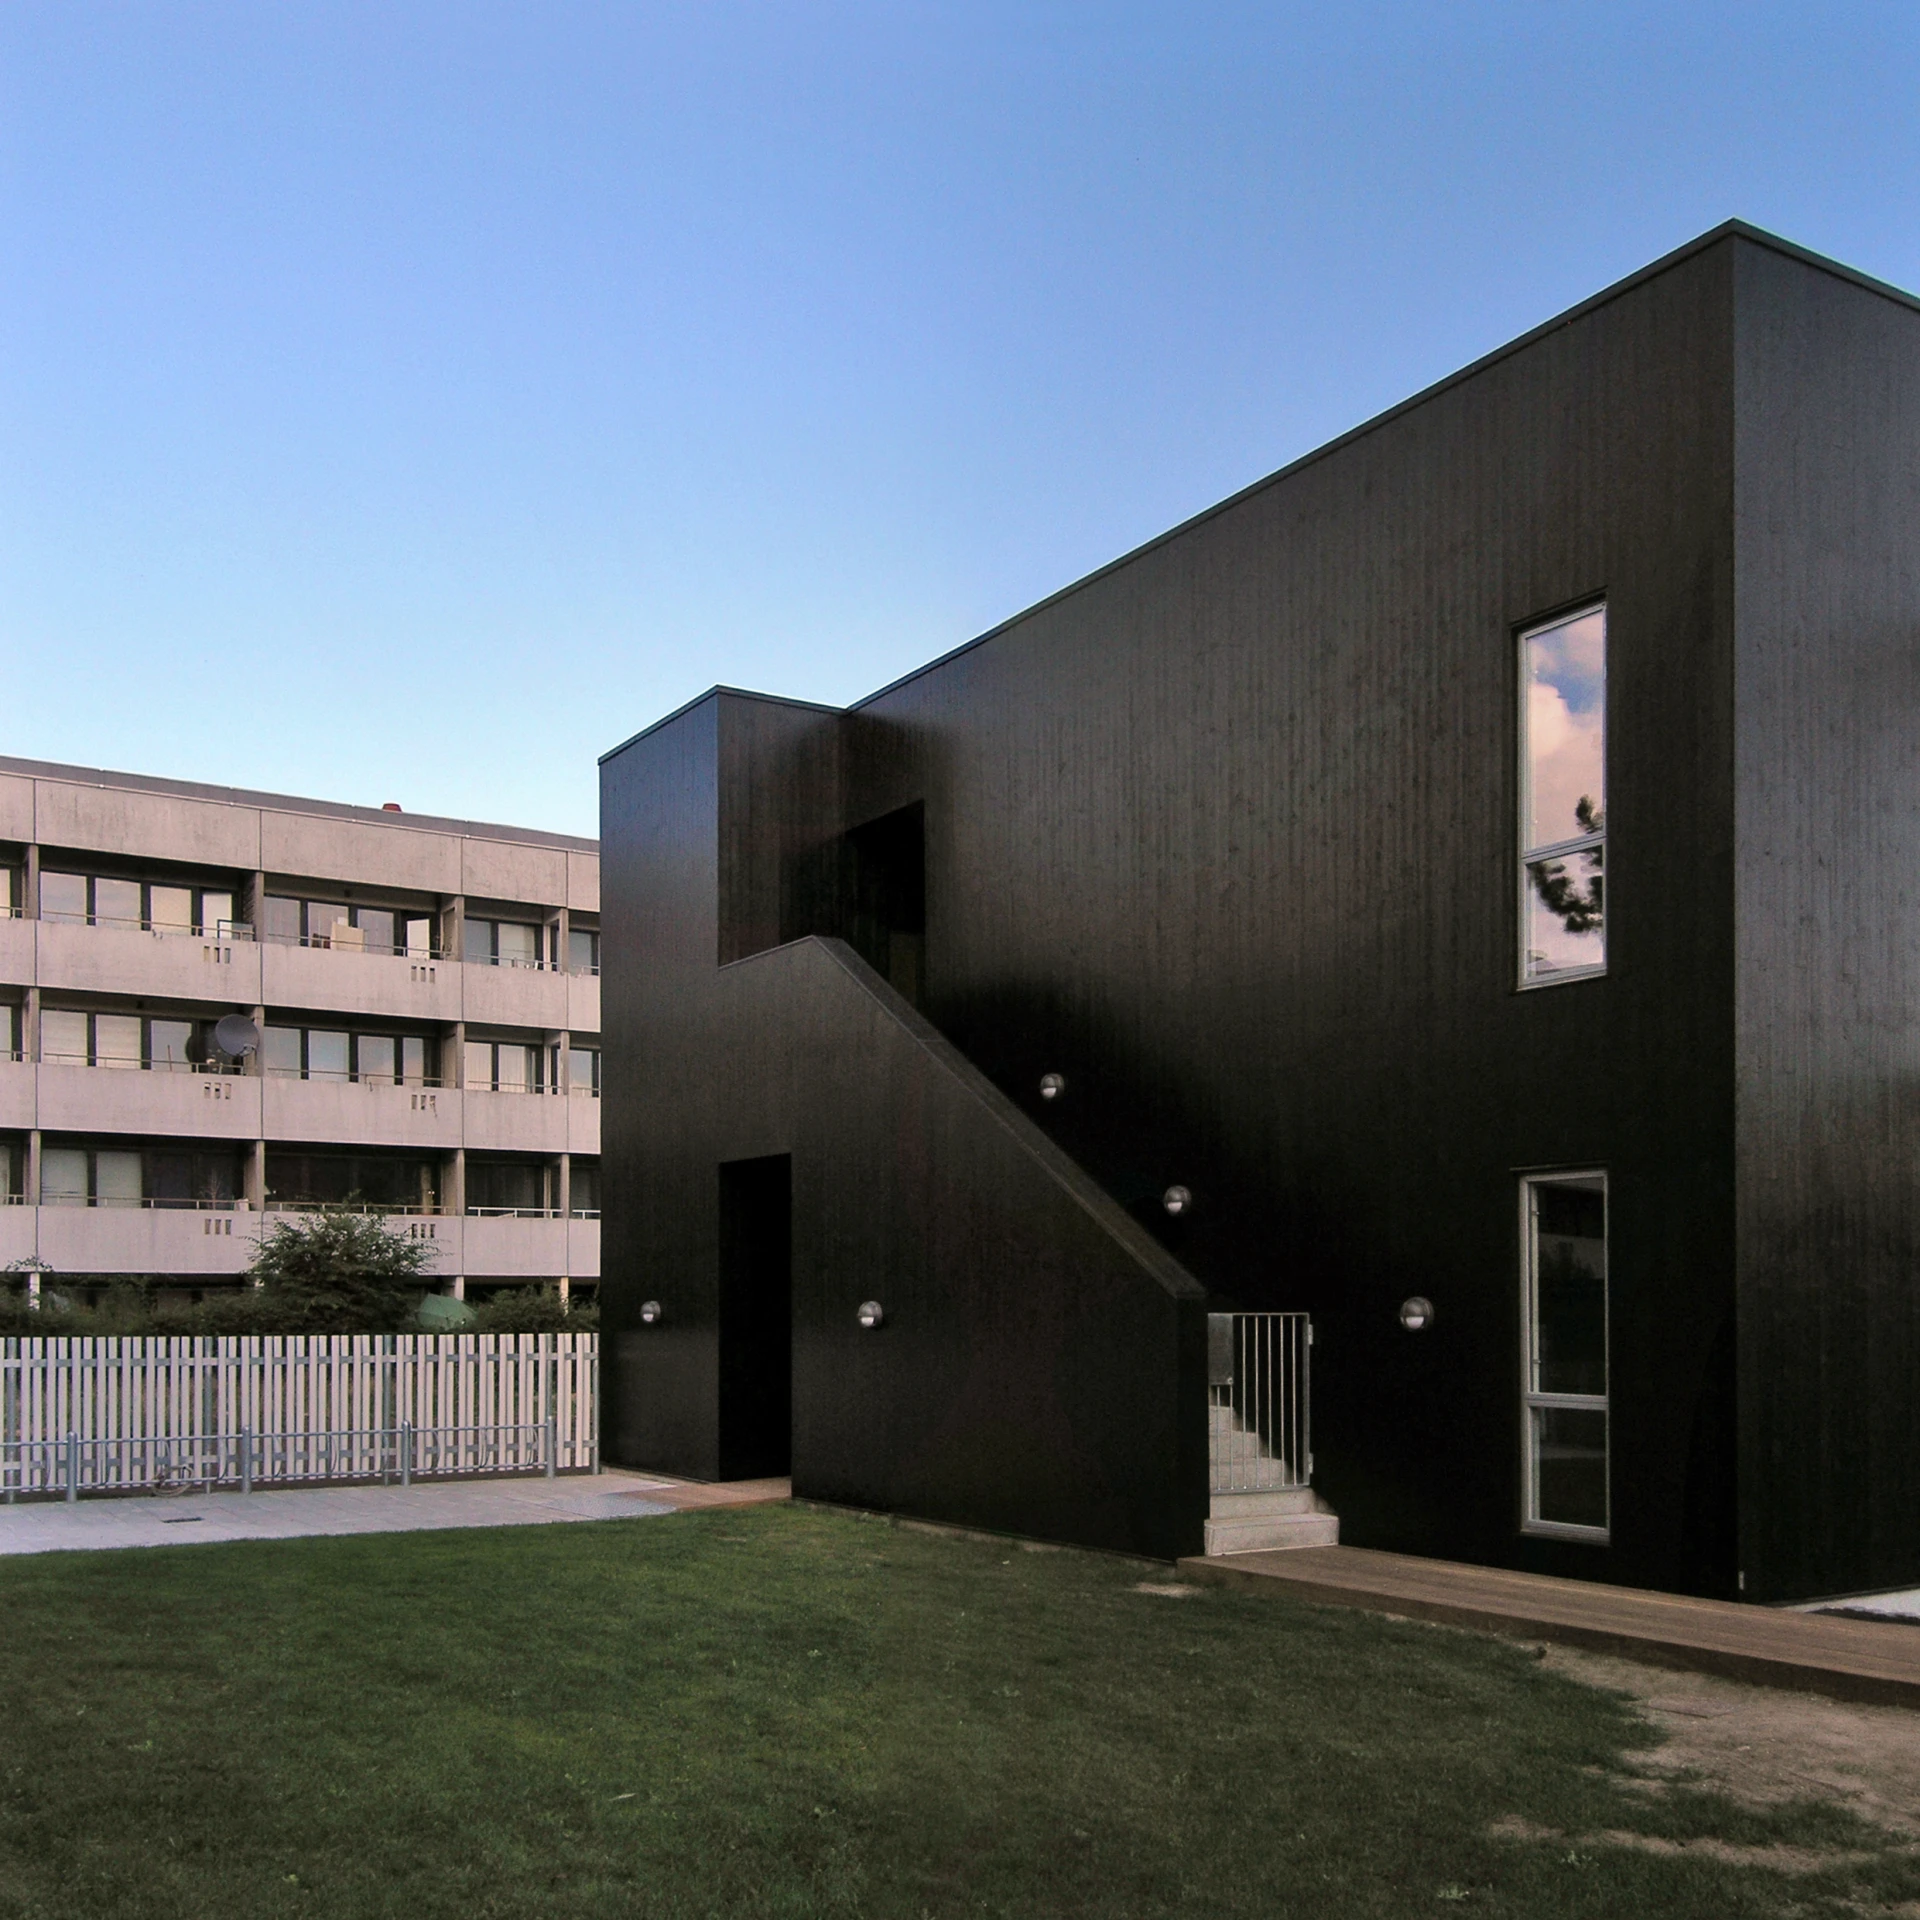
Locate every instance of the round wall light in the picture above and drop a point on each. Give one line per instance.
(871, 1313)
(1177, 1200)
(1052, 1085)
(1416, 1315)
(649, 1312)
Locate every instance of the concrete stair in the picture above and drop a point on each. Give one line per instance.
(1257, 1522)
(1265, 1510)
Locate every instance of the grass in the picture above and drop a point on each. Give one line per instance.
(785, 1712)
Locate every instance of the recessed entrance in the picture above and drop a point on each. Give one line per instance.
(756, 1318)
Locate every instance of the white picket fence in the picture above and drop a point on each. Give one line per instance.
(147, 1415)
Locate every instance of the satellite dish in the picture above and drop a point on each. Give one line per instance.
(235, 1035)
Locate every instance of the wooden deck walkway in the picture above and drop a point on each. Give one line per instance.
(1847, 1659)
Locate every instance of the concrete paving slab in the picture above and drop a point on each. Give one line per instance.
(287, 1513)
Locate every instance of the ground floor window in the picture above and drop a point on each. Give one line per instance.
(1564, 1218)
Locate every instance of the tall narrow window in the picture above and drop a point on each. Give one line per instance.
(1563, 799)
(1566, 1354)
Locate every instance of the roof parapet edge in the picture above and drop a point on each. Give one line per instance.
(716, 692)
(1726, 230)
(293, 803)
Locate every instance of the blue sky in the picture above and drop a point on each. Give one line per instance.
(408, 402)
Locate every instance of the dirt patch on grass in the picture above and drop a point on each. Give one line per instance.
(1763, 1746)
(1776, 1859)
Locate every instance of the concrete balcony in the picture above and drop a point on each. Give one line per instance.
(527, 997)
(583, 1249)
(339, 980)
(506, 1248)
(583, 1124)
(360, 1113)
(129, 960)
(519, 1122)
(17, 1106)
(16, 952)
(141, 1240)
(18, 1225)
(583, 1003)
(209, 1106)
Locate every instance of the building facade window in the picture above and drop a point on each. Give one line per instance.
(502, 943)
(337, 1053)
(377, 1182)
(1564, 1229)
(291, 922)
(583, 1070)
(161, 1176)
(583, 950)
(72, 1037)
(583, 1179)
(509, 1066)
(106, 900)
(1563, 801)
(527, 1189)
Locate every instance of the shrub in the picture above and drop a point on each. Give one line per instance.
(531, 1310)
(336, 1270)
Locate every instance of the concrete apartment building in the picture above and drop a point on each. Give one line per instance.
(424, 995)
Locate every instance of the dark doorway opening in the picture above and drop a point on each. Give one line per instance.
(868, 887)
(885, 898)
(756, 1318)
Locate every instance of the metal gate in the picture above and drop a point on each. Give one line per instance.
(1259, 1402)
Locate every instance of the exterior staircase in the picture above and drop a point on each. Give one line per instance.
(1258, 1502)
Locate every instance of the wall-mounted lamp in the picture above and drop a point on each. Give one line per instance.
(1416, 1315)
(1177, 1200)
(871, 1313)
(649, 1312)
(1052, 1085)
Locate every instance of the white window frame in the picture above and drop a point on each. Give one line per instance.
(1531, 1399)
(1553, 849)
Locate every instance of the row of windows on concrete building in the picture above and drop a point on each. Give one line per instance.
(159, 1043)
(171, 1173)
(188, 907)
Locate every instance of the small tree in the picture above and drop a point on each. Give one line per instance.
(335, 1270)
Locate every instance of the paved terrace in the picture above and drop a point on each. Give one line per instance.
(288, 1513)
(1844, 1657)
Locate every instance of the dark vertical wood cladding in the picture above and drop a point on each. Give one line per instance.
(1828, 981)
(1227, 835)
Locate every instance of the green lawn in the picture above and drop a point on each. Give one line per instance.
(783, 1712)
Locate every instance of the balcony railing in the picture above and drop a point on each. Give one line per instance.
(412, 1211)
(358, 1079)
(515, 1213)
(220, 930)
(398, 950)
(125, 1063)
(157, 1202)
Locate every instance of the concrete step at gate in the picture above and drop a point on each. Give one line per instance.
(1260, 1522)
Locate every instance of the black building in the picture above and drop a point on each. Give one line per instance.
(1282, 841)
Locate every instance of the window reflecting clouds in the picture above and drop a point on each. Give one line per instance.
(1564, 798)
